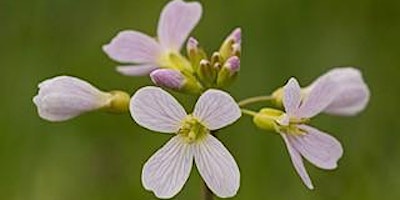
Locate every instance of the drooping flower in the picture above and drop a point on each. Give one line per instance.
(142, 53)
(167, 170)
(65, 97)
(352, 95)
(304, 141)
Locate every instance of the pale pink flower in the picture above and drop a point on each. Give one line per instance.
(142, 53)
(167, 170)
(304, 141)
(352, 93)
(65, 97)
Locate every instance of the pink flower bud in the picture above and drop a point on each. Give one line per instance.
(169, 78)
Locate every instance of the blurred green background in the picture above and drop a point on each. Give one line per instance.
(98, 156)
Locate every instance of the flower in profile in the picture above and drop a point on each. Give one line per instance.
(64, 97)
(304, 141)
(167, 170)
(143, 54)
(352, 95)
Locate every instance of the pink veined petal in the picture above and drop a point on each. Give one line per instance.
(177, 20)
(155, 109)
(216, 109)
(168, 169)
(217, 167)
(133, 47)
(320, 96)
(65, 97)
(319, 148)
(353, 94)
(291, 96)
(136, 70)
(297, 161)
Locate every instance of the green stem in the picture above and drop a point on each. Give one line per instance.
(207, 194)
(248, 112)
(256, 99)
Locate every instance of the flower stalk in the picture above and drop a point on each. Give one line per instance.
(253, 100)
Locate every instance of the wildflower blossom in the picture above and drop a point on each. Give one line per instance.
(65, 97)
(352, 95)
(304, 141)
(177, 20)
(168, 169)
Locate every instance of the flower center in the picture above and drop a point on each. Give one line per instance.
(175, 60)
(192, 130)
(292, 129)
(267, 119)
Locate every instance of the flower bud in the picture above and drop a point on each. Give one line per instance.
(231, 45)
(266, 119)
(216, 58)
(62, 98)
(194, 52)
(207, 73)
(176, 80)
(237, 49)
(229, 72)
(277, 96)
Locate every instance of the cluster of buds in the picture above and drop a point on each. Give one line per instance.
(217, 71)
(221, 69)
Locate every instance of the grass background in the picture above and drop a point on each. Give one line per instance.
(99, 156)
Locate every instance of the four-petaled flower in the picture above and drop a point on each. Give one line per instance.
(177, 20)
(168, 169)
(302, 140)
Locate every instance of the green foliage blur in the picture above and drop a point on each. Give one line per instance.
(99, 156)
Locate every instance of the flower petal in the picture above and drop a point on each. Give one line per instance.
(133, 47)
(155, 109)
(64, 97)
(177, 20)
(217, 167)
(353, 95)
(136, 70)
(167, 170)
(291, 96)
(297, 161)
(216, 109)
(321, 95)
(319, 148)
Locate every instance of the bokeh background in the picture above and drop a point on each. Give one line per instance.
(98, 156)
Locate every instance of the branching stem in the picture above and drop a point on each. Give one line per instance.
(248, 112)
(252, 100)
